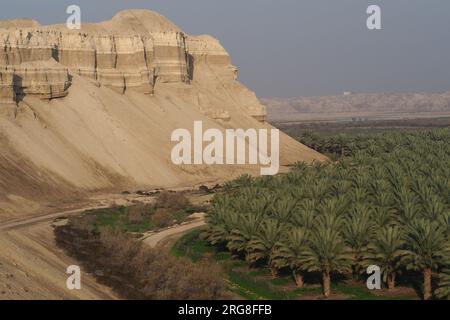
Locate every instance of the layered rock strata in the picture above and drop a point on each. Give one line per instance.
(147, 50)
(7, 94)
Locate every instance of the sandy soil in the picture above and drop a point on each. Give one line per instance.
(32, 267)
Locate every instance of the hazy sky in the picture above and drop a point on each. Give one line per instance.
(288, 48)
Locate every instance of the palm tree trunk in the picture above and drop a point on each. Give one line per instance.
(427, 284)
(326, 284)
(391, 281)
(274, 272)
(298, 277)
(356, 267)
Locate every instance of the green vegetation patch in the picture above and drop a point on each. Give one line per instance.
(169, 208)
(384, 201)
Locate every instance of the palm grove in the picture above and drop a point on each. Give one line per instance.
(385, 203)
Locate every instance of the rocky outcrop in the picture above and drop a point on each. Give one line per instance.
(7, 94)
(145, 49)
(44, 79)
(207, 50)
(170, 57)
(47, 80)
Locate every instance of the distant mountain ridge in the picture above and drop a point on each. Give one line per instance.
(358, 103)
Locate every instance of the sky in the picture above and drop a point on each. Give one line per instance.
(288, 48)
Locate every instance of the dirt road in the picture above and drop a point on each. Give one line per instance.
(32, 266)
(43, 218)
(155, 239)
(100, 202)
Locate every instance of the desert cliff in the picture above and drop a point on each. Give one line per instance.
(92, 110)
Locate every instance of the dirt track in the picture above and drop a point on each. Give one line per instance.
(43, 218)
(160, 237)
(33, 267)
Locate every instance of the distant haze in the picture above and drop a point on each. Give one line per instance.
(288, 48)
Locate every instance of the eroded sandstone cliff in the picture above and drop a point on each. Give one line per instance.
(93, 109)
(136, 56)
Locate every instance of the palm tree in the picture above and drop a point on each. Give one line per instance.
(317, 190)
(282, 209)
(262, 245)
(247, 227)
(434, 209)
(382, 198)
(406, 205)
(387, 252)
(383, 216)
(360, 178)
(332, 209)
(242, 181)
(358, 195)
(221, 221)
(289, 253)
(443, 292)
(428, 247)
(389, 180)
(326, 252)
(305, 214)
(340, 187)
(358, 231)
